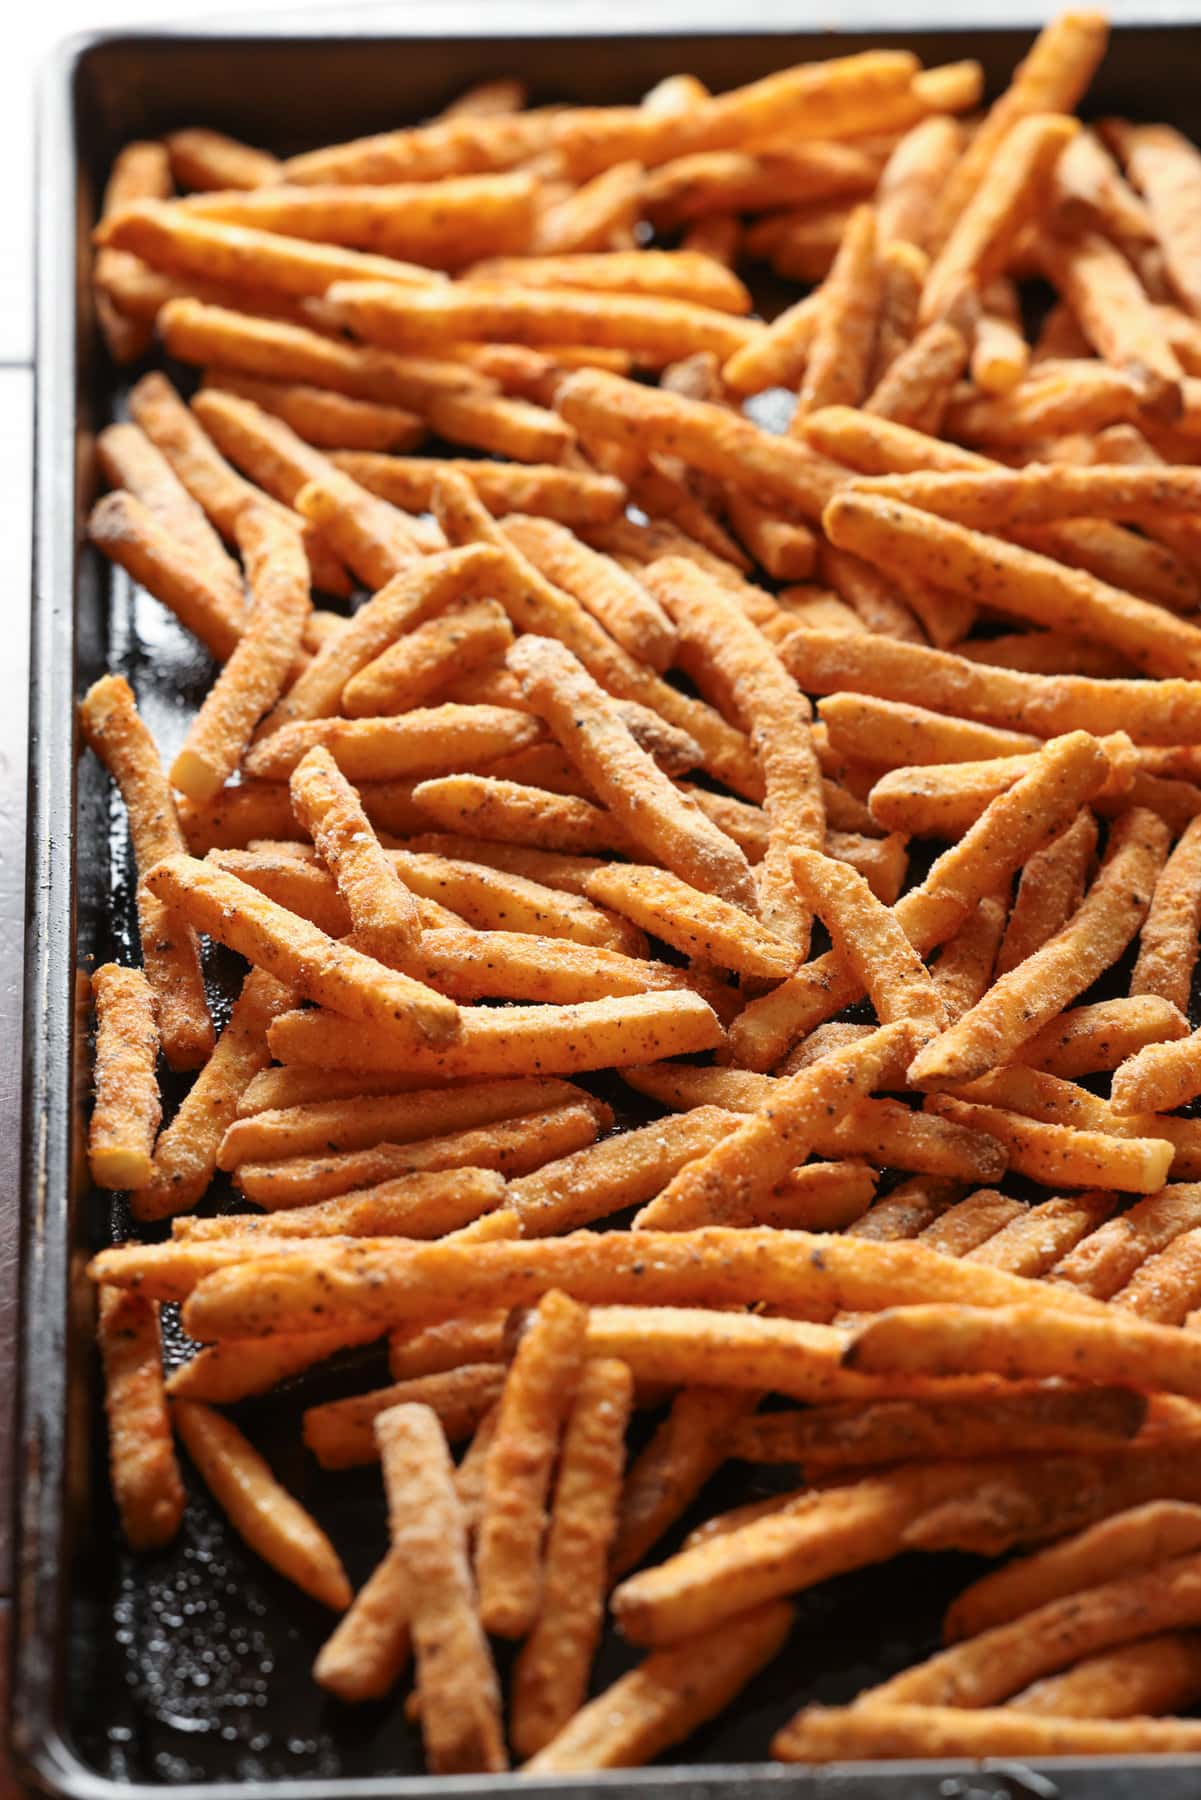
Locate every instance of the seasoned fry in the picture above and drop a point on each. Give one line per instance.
(1159, 1675)
(1049, 893)
(140, 171)
(224, 1373)
(131, 461)
(274, 1524)
(327, 420)
(382, 910)
(126, 1110)
(427, 660)
(144, 1473)
(700, 925)
(1088, 1038)
(575, 497)
(341, 1434)
(868, 937)
(368, 1650)
(1167, 951)
(1111, 306)
(666, 1697)
(550, 1678)
(621, 603)
(110, 723)
(822, 1734)
(128, 532)
(456, 1679)
(1133, 1541)
(839, 356)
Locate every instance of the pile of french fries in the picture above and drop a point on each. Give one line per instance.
(538, 794)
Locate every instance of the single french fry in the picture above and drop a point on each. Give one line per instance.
(127, 1110)
(1168, 940)
(536, 605)
(701, 925)
(537, 1395)
(1052, 78)
(110, 723)
(1111, 306)
(514, 1147)
(426, 661)
(970, 1223)
(1134, 1541)
(1159, 1077)
(847, 1435)
(1164, 167)
(128, 532)
(1006, 498)
(254, 677)
(1050, 891)
(204, 159)
(1054, 1154)
(714, 628)
(325, 419)
(575, 497)
(368, 1650)
(383, 912)
(262, 1512)
(424, 741)
(1067, 772)
(341, 1433)
(777, 357)
(283, 944)
(838, 362)
(980, 241)
(907, 1210)
(492, 806)
(395, 1281)
(1030, 1244)
(886, 1729)
(696, 187)
(666, 1697)
(222, 1374)
(143, 1470)
(141, 170)
(621, 603)
(1023, 1342)
(443, 225)
(185, 1156)
(550, 1678)
(1035, 991)
(648, 806)
(964, 968)
(868, 937)
(685, 1451)
(1100, 1036)
(456, 1679)
(427, 1204)
(1161, 1674)
(913, 178)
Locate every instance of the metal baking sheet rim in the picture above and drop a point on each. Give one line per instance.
(41, 1753)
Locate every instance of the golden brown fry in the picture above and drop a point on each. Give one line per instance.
(143, 1470)
(839, 357)
(130, 460)
(382, 910)
(1049, 893)
(1100, 1036)
(1112, 308)
(341, 1433)
(126, 1111)
(666, 1697)
(612, 595)
(575, 497)
(701, 925)
(869, 939)
(1158, 1675)
(110, 723)
(1168, 940)
(140, 171)
(129, 533)
(426, 661)
(222, 1374)
(1133, 1541)
(208, 159)
(913, 178)
(886, 1729)
(325, 419)
(456, 1679)
(368, 1650)
(272, 1522)
(550, 1678)
(422, 742)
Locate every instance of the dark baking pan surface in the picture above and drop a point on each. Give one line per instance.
(191, 1668)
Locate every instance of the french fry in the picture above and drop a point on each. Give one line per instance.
(1165, 1287)
(1000, 353)
(143, 1470)
(1158, 1078)
(208, 159)
(1011, 577)
(1049, 893)
(980, 241)
(1159, 1675)
(701, 925)
(341, 1434)
(282, 944)
(427, 660)
(1035, 991)
(1135, 1541)
(140, 171)
(1111, 306)
(131, 461)
(1006, 498)
(110, 723)
(492, 806)
(327, 420)
(395, 1281)
(185, 1156)
(668, 274)
(650, 809)
(964, 968)
(1168, 940)
(368, 1650)
(913, 178)
(271, 1521)
(713, 628)
(536, 605)
(421, 742)
(514, 1147)
(456, 1679)
(849, 1436)
(550, 1678)
(839, 356)
(1087, 1038)
(696, 187)
(575, 497)
(1037, 1239)
(222, 1374)
(822, 1734)
(1068, 772)
(1106, 1260)
(666, 1697)
(1023, 1342)
(1164, 167)
(687, 1448)
(254, 677)
(448, 1344)
(1054, 1154)
(970, 1223)
(420, 1205)
(538, 1393)
(620, 603)
(1052, 77)
(127, 1110)
(907, 1210)
(903, 269)
(869, 938)
(443, 225)
(383, 912)
(130, 534)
